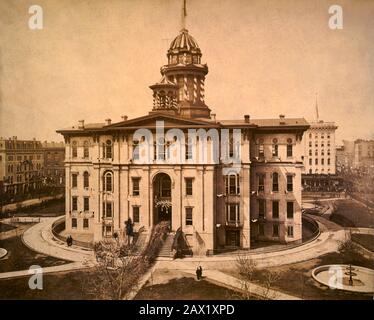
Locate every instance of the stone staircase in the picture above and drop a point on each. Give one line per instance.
(166, 249)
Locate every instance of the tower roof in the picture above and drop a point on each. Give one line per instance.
(184, 42)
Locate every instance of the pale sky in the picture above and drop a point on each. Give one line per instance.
(95, 60)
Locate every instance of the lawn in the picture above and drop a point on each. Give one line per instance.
(349, 213)
(20, 257)
(57, 286)
(366, 240)
(185, 288)
(6, 227)
(296, 279)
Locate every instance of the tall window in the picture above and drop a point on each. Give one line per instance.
(74, 223)
(261, 208)
(316, 161)
(233, 213)
(274, 149)
(86, 204)
(328, 161)
(232, 184)
(275, 209)
(322, 161)
(275, 230)
(261, 182)
(189, 146)
(135, 186)
(86, 179)
(86, 150)
(310, 152)
(160, 149)
(108, 149)
(135, 150)
(290, 210)
(74, 203)
(107, 209)
(290, 231)
(74, 149)
(261, 152)
(289, 147)
(85, 223)
(136, 214)
(275, 182)
(289, 183)
(108, 181)
(74, 180)
(189, 217)
(188, 186)
(310, 161)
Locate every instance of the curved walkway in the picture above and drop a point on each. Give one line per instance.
(40, 238)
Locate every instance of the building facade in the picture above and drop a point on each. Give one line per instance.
(21, 163)
(345, 156)
(364, 155)
(26, 166)
(53, 163)
(186, 178)
(320, 149)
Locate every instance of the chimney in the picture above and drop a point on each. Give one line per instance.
(81, 124)
(246, 118)
(108, 122)
(213, 116)
(124, 118)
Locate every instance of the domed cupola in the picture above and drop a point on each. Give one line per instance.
(184, 49)
(187, 73)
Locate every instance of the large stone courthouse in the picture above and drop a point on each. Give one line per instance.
(215, 204)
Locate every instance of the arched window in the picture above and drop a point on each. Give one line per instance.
(86, 149)
(86, 179)
(74, 149)
(108, 181)
(275, 182)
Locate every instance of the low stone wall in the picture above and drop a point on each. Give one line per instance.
(59, 225)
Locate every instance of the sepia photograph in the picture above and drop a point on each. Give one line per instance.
(187, 150)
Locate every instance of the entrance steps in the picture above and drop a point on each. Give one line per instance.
(167, 247)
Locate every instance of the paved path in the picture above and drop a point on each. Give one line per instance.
(40, 239)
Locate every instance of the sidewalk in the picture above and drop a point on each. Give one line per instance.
(40, 239)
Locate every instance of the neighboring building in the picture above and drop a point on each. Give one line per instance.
(28, 165)
(320, 149)
(21, 163)
(364, 155)
(54, 167)
(216, 205)
(345, 156)
(320, 158)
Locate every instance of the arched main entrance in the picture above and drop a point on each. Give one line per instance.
(162, 209)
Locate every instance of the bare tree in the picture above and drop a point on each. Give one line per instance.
(271, 277)
(120, 266)
(246, 268)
